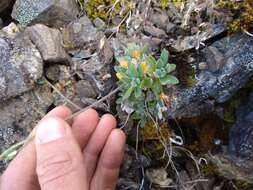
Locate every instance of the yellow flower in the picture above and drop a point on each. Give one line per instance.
(144, 67)
(136, 54)
(119, 76)
(124, 64)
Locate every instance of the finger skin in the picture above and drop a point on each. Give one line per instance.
(109, 162)
(84, 125)
(96, 143)
(60, 160)
(21, 172)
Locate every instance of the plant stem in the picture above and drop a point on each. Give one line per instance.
(6, 154)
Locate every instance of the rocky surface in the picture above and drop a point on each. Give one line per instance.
(79, 33)
(20, 66)
(97, 67)
(49, 43)
(198, 40)
(21, 114)
(220, 84)
(50, 13)
(241, 137)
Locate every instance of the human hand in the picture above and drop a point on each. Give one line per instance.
(84, 154)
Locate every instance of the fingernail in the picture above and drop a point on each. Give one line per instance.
(49, 130)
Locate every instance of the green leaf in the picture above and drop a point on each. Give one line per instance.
(136, 116)
(170, 67)
(128, 93)
(159, 73)
(169, 79)
(137, 92)
(157, 88)
(164, 56)
(146, 83)
(151, 63)
(132, 70)
(139, 71)
(161, 64)
(127, 51)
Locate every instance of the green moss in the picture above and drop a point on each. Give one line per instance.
(150, 139)
(101, 8)
(243, 185)
(241, 12)
(105, 9)
(164, 3)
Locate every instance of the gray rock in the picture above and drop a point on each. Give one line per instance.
(58, 72)
(159, 19)
(215, 60)
(19, 115)
(171, 28)
(52, 13)
(218, 86)
(154, 31)
(20, 66)
(97, 69)
(241, 137)
(11, 31)
(49, 42)
(85, 89)
(53, 72)
(227, 167)
(79, 33)
(99, 23)
(190, 42)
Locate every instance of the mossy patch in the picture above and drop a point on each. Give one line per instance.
(106, 9)
(241, 12)
(151, 137)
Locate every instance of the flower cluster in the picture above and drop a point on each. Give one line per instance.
(141, 80)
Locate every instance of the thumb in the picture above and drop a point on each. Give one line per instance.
(59, 157)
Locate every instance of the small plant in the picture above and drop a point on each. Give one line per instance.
(141, 81)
